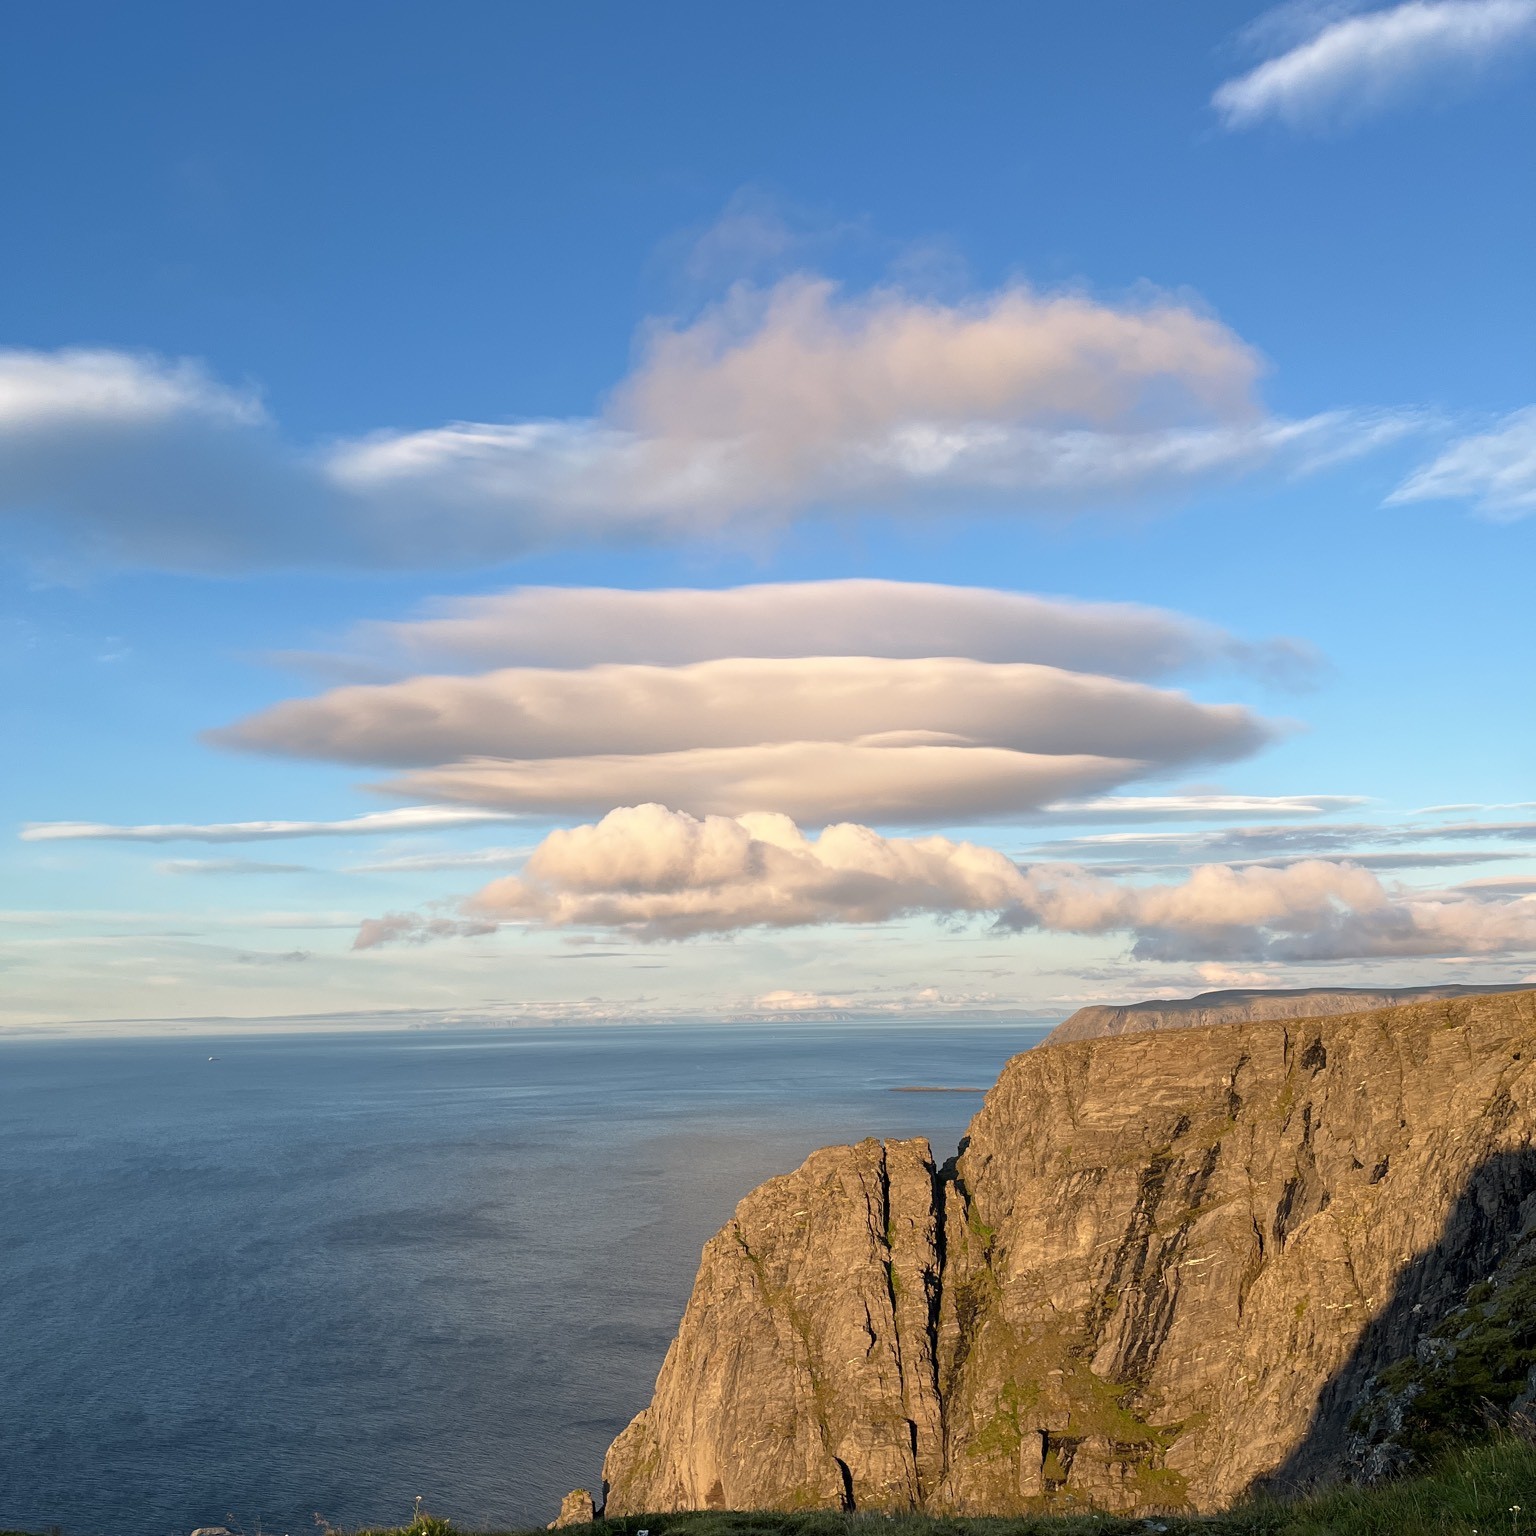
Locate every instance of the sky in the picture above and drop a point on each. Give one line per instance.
(619, 512)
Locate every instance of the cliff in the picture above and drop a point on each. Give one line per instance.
(1245, 1006)
(1164, 1267)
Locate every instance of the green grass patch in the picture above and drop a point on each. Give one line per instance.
(1488, 1489)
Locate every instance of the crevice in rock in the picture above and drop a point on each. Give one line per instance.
(842, 1471)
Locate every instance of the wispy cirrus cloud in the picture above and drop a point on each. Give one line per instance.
(1245, 844)
(778, 403)
(1495, 471)
(408, 818)
(1210, 806)
(228, 867)
(1346, 65)
(658, 874)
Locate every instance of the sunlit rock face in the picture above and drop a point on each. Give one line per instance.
(1245, 1005)
(1164, 1267)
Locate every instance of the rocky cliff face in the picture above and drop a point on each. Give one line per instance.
(1163, 1267)
(1244, 1006)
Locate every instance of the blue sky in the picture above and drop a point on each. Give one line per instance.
(1220, 312)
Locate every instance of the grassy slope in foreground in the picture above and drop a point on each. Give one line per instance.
(1483, 1489)
(1487, 1488)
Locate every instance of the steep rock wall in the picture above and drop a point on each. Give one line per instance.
(1159, 1271)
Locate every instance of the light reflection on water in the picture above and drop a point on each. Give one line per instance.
(329, 1273)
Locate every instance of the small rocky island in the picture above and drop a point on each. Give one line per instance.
(1165, 1267)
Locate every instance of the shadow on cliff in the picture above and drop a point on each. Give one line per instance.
(1482, 1230)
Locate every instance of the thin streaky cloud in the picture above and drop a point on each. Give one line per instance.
(1212, 807)
(410, 818)
(1494, 471)
(228, 867)
(476, 858)
(1333, 840)
(1357, 64)
(1472, 805)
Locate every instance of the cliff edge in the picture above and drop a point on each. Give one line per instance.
(1246, 1006)
(1163, 1268)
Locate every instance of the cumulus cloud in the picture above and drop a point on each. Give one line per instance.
(1349, 65)
(658, 874)
(578, 626)
(1495, 471)
(779, 401)
(408, 818)
(665, 874)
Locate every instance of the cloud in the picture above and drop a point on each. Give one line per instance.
(413, 928)
(793, 398)
(42, 391)
(150, 461)
(813, 781)
(409, 818)
(1313, 910)
(1355, 64)
(228, 867)
(820, 738)
(1495, 471)
(473, 858)
(664, 874)
(798, 395)
(578, 626)
(1254, 842)
(1199, 807)
(657, 874)
(523, 713)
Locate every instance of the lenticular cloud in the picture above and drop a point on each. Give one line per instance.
(859, 616)
(823, 738)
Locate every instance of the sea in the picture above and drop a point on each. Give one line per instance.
(261, 1280)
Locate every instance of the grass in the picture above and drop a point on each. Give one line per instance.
(1486, 1489)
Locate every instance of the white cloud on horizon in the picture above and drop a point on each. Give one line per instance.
(657, 874)
(1350, 65)
(1495, 471)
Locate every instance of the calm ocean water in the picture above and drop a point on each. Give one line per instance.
(328, 1273)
